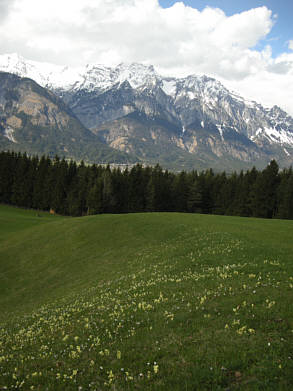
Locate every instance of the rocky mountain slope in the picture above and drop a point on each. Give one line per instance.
(180, 122)
(35, 120)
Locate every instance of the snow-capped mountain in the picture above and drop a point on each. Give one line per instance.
(91, 77)
(133, 108)
(47, 75)
(207, 99)
(34, 120)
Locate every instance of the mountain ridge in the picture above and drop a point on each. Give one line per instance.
(35, 120)
(193, 115)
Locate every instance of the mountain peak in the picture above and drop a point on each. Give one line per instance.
(136, 74)
(135, 66)
(214, 121)
(46, 74)
(15, 62)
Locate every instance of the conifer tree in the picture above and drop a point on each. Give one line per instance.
(195, 198)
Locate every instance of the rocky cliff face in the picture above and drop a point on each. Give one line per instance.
(196, 120)
(194, 115)
(35, 120)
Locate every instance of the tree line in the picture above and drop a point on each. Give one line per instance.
(74, 189)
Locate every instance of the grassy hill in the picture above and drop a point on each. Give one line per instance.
(152, 301)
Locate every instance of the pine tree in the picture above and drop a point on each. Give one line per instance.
(195, 198)
(285, 195)
(95, 198)
(22, 188)
(180, 188)
(136, 189)
(58, 181)
(150, 196)
(108, 196)
(8, 172)
(41, 189)
(264, 192)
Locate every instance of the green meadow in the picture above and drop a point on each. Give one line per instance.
(150, 301)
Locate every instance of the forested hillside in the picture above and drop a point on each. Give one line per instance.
(70, 189)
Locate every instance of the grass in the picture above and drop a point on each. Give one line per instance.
(152, 301)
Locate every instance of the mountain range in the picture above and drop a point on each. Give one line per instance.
(130, 113)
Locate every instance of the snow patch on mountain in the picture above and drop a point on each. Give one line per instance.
(8, 133)
(279, 136)
(286, 152)
(137, 75)
(169, 87)
(191, 95)
(220, 131)
(45, 74)
(94, 77)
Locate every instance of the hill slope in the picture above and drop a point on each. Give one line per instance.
(145, 301)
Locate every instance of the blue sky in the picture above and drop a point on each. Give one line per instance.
(282, 30)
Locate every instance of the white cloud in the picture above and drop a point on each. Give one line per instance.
(74, 31)
(179, 40)
(267, 88)
(5, 8)
(290, 44)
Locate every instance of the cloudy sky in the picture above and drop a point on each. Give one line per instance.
(247, 44)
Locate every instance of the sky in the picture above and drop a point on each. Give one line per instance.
(280, 34)
(246, 44)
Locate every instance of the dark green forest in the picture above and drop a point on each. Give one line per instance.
(74, 189)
